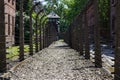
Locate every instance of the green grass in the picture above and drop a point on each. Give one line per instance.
(26, 48)
(61, 40)
(14, 51)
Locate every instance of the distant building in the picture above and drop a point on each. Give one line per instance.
(9, 10)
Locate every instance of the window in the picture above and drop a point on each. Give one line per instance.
(8, 24)
(13, 25)
(13, 2)
(8, 0)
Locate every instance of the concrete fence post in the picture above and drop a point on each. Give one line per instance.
(87, 49)
(3, 67)
(117, 41)
(98, 59)
(21, 55)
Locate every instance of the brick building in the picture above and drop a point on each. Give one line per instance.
(9, 13)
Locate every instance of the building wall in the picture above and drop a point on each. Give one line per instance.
(10, 6)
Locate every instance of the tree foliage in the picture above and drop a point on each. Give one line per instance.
(68, 9)
(26, 8)
(104, 11)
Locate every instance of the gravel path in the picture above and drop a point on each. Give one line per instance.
(58, 62)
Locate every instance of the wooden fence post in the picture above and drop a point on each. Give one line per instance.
(3, 67)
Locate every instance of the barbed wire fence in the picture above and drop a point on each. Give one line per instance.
(41, 35)
(85, 30)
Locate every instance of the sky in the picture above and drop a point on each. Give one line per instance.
(43, 2)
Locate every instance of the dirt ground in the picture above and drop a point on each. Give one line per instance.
(58, 62)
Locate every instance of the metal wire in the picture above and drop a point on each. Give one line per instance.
(73, 36)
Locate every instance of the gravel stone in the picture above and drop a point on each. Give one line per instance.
(59, 62)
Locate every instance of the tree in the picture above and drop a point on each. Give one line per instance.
(104, 13)
(26, 6)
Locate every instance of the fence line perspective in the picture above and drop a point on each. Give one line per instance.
(86, 30)
(18, 46)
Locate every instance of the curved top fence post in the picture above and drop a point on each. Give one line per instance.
(31, 30)
(98, 59)
(43, 23)
(36, 30)
(40, 28)
(3, 66)
(21, 55)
